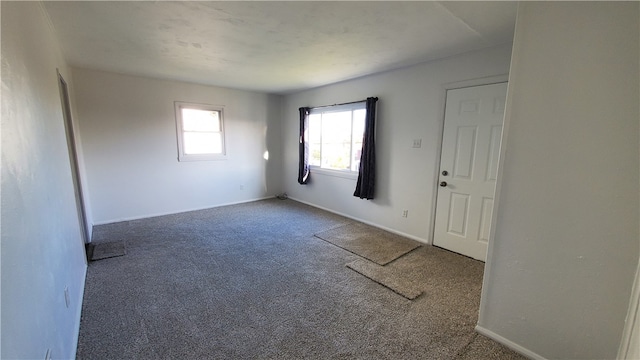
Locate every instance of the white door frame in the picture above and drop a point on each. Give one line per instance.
(65, 98)
(489, 80)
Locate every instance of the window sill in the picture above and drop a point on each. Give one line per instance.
(187, 158)
(335, 173)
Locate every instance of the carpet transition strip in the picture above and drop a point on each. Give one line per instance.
(385, 277)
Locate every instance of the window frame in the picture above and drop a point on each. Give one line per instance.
(182, 156)
(344, 173)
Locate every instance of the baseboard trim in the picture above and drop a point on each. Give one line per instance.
(147, 216)
(412, 237)
(508, 343)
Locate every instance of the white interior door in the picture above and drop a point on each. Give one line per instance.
(468, 168)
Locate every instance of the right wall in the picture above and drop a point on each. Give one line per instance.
(565, 244)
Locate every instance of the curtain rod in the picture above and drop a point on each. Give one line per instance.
(347, 103)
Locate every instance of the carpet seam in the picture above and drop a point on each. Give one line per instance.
(460, 351)
(376, 260)
(403, 255)
(353, 252)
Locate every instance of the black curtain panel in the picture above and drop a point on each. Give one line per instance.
(367, 171)
(303, 147)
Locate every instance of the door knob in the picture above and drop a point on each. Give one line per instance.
(443, 183)
(445, 173)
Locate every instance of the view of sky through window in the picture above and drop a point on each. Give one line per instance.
(335, 139)
(201, 132)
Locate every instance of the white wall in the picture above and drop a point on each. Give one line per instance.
(42, 250)
(565, 246)
(129, 142)
(411, 106)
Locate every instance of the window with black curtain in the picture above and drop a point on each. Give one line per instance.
(340, 138)
(365, 185)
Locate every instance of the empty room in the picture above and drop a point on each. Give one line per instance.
(320, 180)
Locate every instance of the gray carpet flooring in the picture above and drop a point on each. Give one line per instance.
(385, 276)
(107, 250)
(251, 281)
(377, 245)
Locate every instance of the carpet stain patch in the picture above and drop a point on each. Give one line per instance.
(386, 277)
(108, 250)
(377, 245)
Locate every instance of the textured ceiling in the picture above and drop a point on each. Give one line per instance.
(275, 47)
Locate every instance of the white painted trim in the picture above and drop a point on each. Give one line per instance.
(182, 156)
(436, 175)
(111, 221)
(508, 343)
(78, 315)
(632, 321)
(412, 237)
(345, 174)
(488, 80)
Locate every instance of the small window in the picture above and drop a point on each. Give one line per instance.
(200, 132)
(335, 136)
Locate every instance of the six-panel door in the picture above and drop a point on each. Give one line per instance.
(468, 168)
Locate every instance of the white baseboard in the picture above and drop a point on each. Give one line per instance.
(416, 238)
(508, 343)
(146, 216)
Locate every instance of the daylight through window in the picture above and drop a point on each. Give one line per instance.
(335, 136)
(200, 132)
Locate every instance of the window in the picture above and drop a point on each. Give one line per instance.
(200, 132)
(335, 136)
